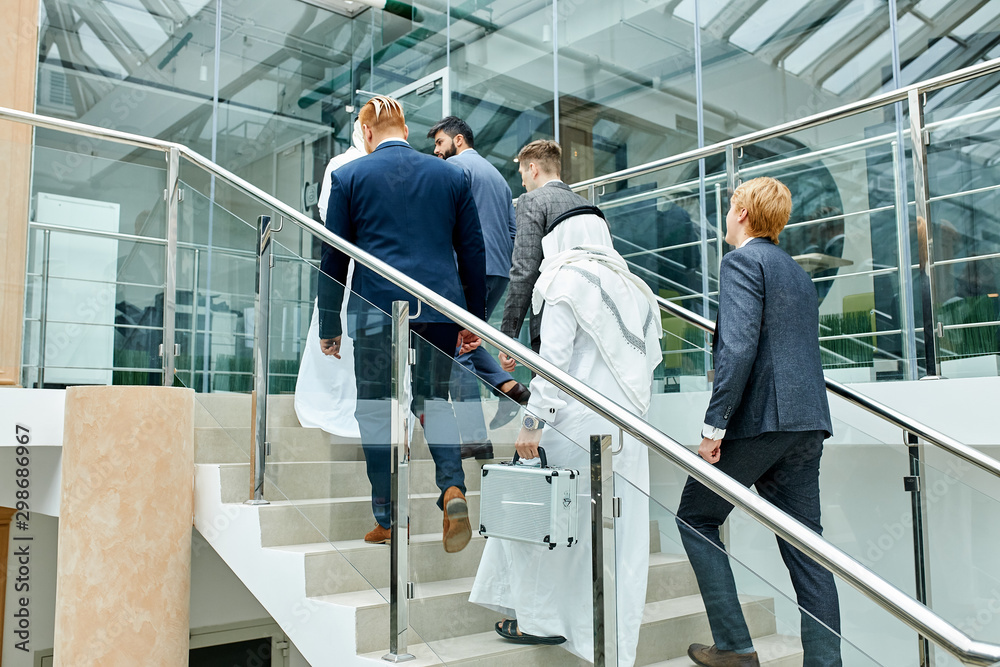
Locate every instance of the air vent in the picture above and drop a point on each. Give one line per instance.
(55, 93)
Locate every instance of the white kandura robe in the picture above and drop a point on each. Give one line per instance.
(326, 393)
(550, 592)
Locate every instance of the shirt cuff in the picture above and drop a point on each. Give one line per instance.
(713, 433)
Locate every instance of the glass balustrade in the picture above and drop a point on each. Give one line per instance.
(96, 269)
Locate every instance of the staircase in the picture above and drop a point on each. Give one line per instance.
(304, 558)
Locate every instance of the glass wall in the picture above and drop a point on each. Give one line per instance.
(269, 89)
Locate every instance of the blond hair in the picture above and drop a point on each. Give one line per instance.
(768, 203)
(382, 114)
(546, 154)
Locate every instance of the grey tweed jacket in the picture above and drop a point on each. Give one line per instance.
(768, 373)
(535, 210)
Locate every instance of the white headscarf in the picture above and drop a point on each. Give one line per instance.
(617, 309)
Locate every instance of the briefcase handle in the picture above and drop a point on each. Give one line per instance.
(541, 455)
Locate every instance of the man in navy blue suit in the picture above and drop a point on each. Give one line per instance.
(765, 425)
(416, 213)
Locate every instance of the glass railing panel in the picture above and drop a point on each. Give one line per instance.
(843, 231)
(318, 474)
(461, 596)
(960, 505)
(656, 223)
(216, 279)
(768, 605)
(964, 137)
(299, 494)
(98, 321)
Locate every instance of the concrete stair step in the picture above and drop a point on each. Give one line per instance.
(487, 649)
(306, 521)
(234, 410)
(441, 610)
(772, 650)
(216, 444)
(327, 479)
(356, 566)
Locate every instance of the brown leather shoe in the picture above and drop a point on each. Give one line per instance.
(457, 530)
(713, 657)
(379, 535)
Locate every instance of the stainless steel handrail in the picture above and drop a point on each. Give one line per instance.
(869, 104)
(889, 597)
(867, 403)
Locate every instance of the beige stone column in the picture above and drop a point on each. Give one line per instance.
(124, 562)
(18, 64)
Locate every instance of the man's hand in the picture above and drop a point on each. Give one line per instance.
(527, 442)
(506, 363)
(467, 342)
(710, 450)
(330, 346)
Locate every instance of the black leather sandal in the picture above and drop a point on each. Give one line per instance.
(508, 630)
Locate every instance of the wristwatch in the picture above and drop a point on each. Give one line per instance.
(532, 423)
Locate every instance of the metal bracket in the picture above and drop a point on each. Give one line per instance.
(939, 329)
(411, 357)
(409, 590)
(911, 484)
(177, 350)
(616, 507)
(180, 194)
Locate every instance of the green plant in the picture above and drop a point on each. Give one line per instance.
(974, 340)
(847, 351)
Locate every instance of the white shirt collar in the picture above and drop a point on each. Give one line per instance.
(554, 180)
(393, 139)
(747, 240)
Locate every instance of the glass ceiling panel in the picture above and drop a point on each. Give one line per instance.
(709, 9)
(872, 55)
(978, 21)
(140, 24)
(95, 47)
(765, 22)
(931, 8)
(192, 7)
(926, 61)
(833, 31)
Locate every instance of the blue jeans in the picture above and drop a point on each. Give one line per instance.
(476, 365)
(372, 368)
(784, 467)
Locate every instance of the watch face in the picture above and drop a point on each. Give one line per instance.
(530, 423)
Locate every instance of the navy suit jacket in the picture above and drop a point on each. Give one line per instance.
(414, 212)
(768, 373)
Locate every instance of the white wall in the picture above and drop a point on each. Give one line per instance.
(218, 597)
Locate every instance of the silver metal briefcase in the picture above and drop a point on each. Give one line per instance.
(529, 504)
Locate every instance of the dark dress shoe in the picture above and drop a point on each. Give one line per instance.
(478, 450)
(710, 656)
(507, 410)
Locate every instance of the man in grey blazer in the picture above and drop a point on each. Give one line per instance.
(547, 197)
(765, 425)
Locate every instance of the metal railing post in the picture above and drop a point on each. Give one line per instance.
(172, 198)
(914, 484)
(604, 507)
(732, 173)
(43, 324)
(262, 308)
(925, 244)
(400, 590)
